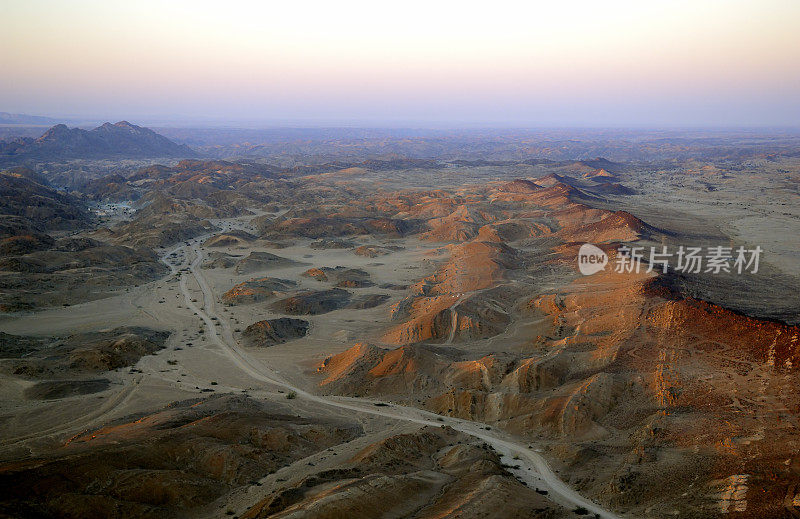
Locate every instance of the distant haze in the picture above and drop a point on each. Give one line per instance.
(569, 63)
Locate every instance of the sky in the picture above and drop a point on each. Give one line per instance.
(569, 63)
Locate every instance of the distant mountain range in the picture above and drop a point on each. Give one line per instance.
(36, 120)
(119, 140)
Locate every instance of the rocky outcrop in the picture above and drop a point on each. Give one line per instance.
(341, 277)
(80, 354)
(260, 261)
(313, 302)
(275, 331)
(233, 238)
(220, 260)
(257, 290)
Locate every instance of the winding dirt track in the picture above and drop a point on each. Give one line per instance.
(533, 467)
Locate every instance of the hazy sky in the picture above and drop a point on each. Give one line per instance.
(563, 63)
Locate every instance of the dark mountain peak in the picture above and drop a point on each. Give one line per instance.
(54, 132)
(124, 128)
(121, 125)
(119, 140)
(118, 125)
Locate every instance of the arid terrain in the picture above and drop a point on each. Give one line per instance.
(396, 327)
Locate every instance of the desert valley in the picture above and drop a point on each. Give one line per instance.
(428, 260)
(324, 329)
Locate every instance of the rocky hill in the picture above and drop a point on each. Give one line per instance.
(27, 196)
(119, 140)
